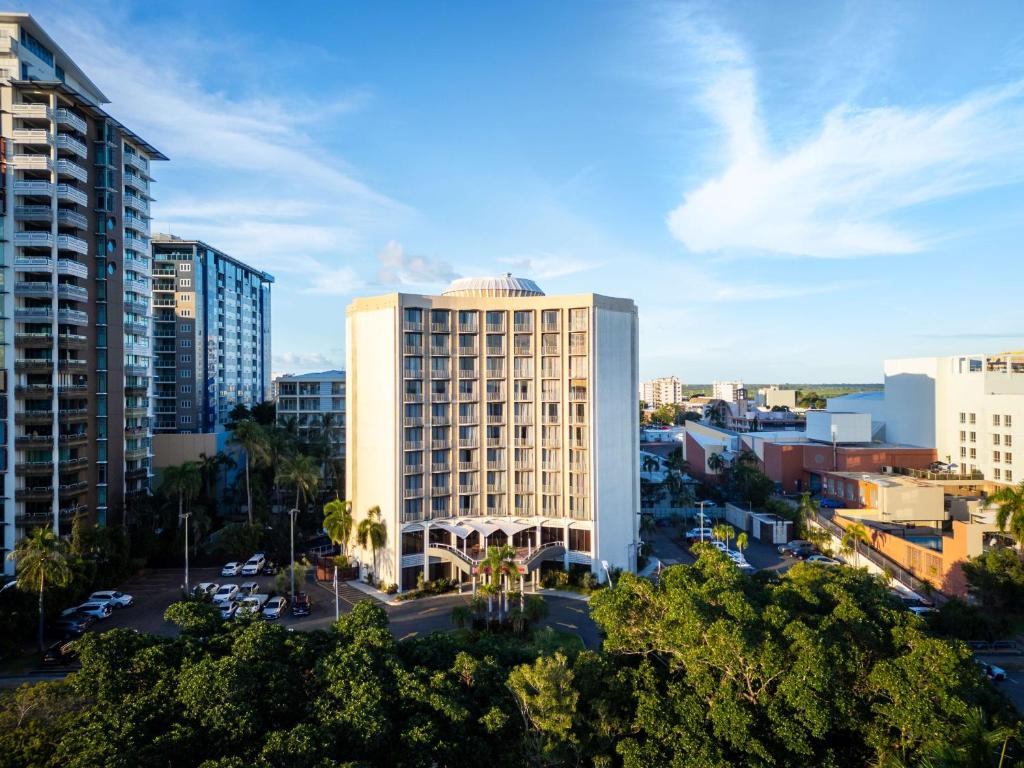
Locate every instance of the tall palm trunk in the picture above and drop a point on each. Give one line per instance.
(248, 486)
(42, 583)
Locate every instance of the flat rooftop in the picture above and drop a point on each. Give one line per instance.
(883, 480)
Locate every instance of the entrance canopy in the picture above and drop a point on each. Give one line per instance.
(463, 528)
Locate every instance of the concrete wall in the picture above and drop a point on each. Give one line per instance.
(849, 427)
(911, 395)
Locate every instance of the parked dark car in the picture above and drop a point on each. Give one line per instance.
(72, 626)
(302, 606)
(802, 553)
(60, 654)
(269, 569)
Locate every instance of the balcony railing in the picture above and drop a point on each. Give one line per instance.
(32, 163)
(72, 218)
(71, 194)
(69, 118)
(71, 144)
(34, 111)
(74, 170)
(27, 239)
(31, 136)
(34, 188)
(72, 317)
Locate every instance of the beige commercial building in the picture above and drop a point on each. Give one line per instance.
(494, 414)
(668, 390)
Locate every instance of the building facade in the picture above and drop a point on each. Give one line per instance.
(314, 400)
(729, 391)
(211, 334)
(494, 414)
(76, 354)
(969, 407)
(668, 390)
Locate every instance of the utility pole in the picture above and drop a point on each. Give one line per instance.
(291, 513)
(337, 614)
(185, 516)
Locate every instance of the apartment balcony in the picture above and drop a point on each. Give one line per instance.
(414, 445)
(136, 303)
(495, 372)
(132, 160)
(74, 438)
(32, 163)
(410, 397)
(73, 415)
(31, 111)
(72, 317)
(34, 340)
(409, 349)
(440, 466)
(440, 445)
(72, 340)
(33, 441)
(75, 463)
(71, 194)
(413, 469)
(74, 170)
(495, 327)
(140, 204)
(67, 267)
(35, 493)
(495, 442)
(136, 431)
(440, 490)
(551, 418)
(524, 418)
(440, 421)
(522, 349)
(413, 493)
(136, 369)
(138, 223)
(495, 418)
(440, 328)
(468, 397)
(472, 327)
(33, 188)
(33, 365)
(496, 488)
(68, 118)
(440, 397)
(138, 473)
(71, 218)
(524, 488)
(551, 488)
(468, 349)
(68, 143)
(33, 288)
(73, 292)
(413, 421)
(39, 137)
(439, 374)
(33, 417)
(25, 468)
(71, 390)
(408, 325)
(137, 263)
(33, 213)
(136, 243)
(523, 327)
(134, 454)
(71, 364)
(136, 411)
(496, 465)
(134, 326)
(70, 490)
(497, 350)
(469, 488)
(440, 351)
(523, 397)
(468, 373)
(28, 239)
(551, 442)
(33, 390)
(578, 466)
(578, 349)
(164, 301)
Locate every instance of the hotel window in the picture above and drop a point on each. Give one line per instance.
(963, 418)
(995, 439)
(996, 475)
(1009, 476)
(1007, 458)
(995, 420)
(963, 452)
(996, 456)
(971, 418)
(974, 437)
(974, 453)
(1007, 440)
(1007, 421)
(963, 436)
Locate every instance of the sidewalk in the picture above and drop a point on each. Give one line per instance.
(373, 592)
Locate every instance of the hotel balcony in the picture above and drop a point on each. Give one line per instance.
(68, 118)
(72, 317)
(33, 441)
(136, 453)
(468, 349)
(140, 204)
(72, 340)
(33, 468)
(28, 239)
(70, 490)
(68, 143)
(32, 163)
(70, 194)
(74, 170)
(33, 188)
(35, 493)
(74, 438)
(73, 292)
(31, 111)
(32, 137)
(33, 365)
(33, 417)
(33, 288)
(77, 462)
(70, 268)
(132, 160)
(33, 390)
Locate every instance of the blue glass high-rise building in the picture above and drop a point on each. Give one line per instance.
(211, 335)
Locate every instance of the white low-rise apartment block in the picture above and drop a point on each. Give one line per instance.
(667, 390)
(969, 407)
(313, 403)
(730, 391)
(494, 414)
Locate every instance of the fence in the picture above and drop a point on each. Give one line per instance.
(883, 562)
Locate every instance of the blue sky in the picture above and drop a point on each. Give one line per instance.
(790, 192)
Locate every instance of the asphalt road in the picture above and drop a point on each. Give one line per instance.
(762, 556)
(156, 589)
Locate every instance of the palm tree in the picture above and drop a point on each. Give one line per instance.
(461, 615)
(1009, 503)
(500, 563)
(723, 532)
(250, 437)
(676, 462)
(279, 445)
(854, 535)
(338, 522)
(301, 472)
(807, 511)
(650, 464)
(741, 541)
(716, 462)
(41, 557)
(372, 532)
(183, 481)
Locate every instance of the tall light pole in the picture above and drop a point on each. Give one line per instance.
(292, 513)
(337, 614)
(185, 516)
(700, 525)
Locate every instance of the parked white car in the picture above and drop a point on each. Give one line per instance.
(253, 604)
(254, 565)
(100, 610)
(696, 534)
(226, 593)
(274, 607)
(113, 597)
(822, 560)
(247, 588)
(206, 589)
(228, 609)
(231, 569)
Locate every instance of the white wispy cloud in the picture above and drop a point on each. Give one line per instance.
(837, 192)
(548, 264)
(249, 173)
(298, 362)
(398, 267)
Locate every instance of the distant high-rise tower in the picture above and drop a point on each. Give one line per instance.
(76, 354)
(494, 414)
(667, 390)
(212, 335)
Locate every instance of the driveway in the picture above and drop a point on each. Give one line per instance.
(760, 555)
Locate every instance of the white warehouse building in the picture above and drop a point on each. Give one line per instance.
(494, 414)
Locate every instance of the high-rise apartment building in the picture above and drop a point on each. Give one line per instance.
(211, 335)
(668, 390)
(316, 402)
(494, 414)
(76, 357)
(970, 408)
(729, 391)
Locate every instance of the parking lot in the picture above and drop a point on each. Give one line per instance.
(155, 589)
(665, 545)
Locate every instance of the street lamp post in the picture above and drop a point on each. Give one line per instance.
(701, 524)
(185, 516)
(337, 608)
(292, 513)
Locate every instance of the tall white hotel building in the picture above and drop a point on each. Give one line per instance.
(494, 414)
